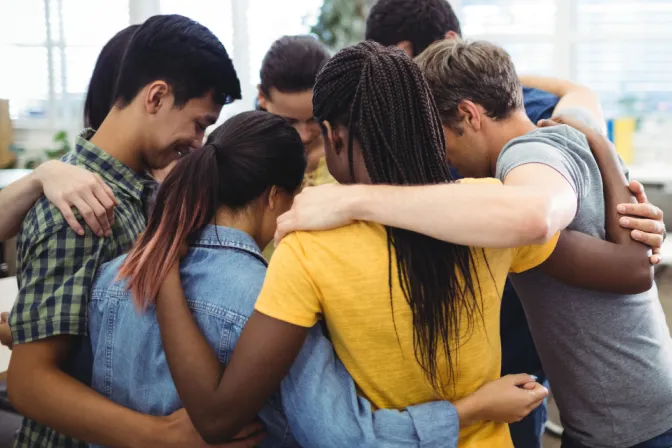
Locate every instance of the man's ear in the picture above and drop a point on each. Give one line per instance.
(470, 115)
(261, 97)
(452, 35)
(155, 96)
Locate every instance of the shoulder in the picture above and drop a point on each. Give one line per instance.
(331, 246)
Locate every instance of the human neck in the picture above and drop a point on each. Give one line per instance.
(243, 220)
(117, 136)
(503, 131)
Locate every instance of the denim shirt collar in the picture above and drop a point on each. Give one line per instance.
(213, 237)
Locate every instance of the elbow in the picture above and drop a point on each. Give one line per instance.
(643, 278)
(538, 227)
(213, 429)
(17, 393)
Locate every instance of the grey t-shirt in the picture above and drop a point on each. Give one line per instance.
(608, 357)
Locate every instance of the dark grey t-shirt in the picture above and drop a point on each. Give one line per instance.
(608, 357)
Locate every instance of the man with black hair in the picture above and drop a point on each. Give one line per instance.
(174, 79)
(287, 77)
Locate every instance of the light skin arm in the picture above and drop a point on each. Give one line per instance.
(571, 95)
(66, 186)
(481, 215)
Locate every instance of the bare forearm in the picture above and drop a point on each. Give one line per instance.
(43, 395)
(616, 191)
(15, 201)
(588, 262)
(473, 215)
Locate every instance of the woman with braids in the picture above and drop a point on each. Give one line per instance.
(412, 318)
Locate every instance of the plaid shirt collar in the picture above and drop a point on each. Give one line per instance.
(111, 169)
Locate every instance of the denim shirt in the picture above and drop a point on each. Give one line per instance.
(222, 276)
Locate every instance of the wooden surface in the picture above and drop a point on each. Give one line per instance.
(6, 137)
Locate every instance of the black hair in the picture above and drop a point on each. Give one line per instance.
(421, 22)
(181, 52)
(100, 94)
(381, 96)
(241, 160)
(292, 64)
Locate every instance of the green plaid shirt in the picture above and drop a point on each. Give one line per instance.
(57, 269)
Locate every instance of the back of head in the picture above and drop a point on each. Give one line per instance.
(381, 96)
(184, 54)
(241, 160)
(292, 64)
(100, 95)
(480, 72)
(420, 22)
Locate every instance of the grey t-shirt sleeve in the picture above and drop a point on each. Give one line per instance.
(527, 152)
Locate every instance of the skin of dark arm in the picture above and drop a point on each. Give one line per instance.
(221, 401)
(619, 265)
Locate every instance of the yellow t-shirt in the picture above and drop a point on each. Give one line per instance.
(341, 275)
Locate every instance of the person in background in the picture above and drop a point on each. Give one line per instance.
(413, 25)
(428, 326)
(152, 122)
(578, 318)
(287, 76)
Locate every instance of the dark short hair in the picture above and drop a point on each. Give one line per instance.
(100, 95)
(292, 64)
(480, 72)
(181, 52)
(421, 22)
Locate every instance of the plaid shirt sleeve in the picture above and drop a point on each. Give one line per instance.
(57, 271)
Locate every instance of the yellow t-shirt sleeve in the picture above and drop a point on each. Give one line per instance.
(528, 257)
(289, 293)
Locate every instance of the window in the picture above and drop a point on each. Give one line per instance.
(525, 28)
(48, 49)
(620, 48)
(624, 52)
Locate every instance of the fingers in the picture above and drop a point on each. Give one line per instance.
(637, 189)
(546, 123)
(100, 196)
(653, 240)
(250, 442)
(286, 224)
(108, 190)
(249, 436)
(644, 210)
(656, 257)
(96, 215)
(521, 379)
(643, 225)
(66, 210)
(4, 317)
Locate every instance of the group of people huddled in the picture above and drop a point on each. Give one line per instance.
(443, 236)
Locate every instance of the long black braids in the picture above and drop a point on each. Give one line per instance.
(381, 95)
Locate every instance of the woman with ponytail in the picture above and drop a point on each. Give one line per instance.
(412, 318)
(222, 201)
